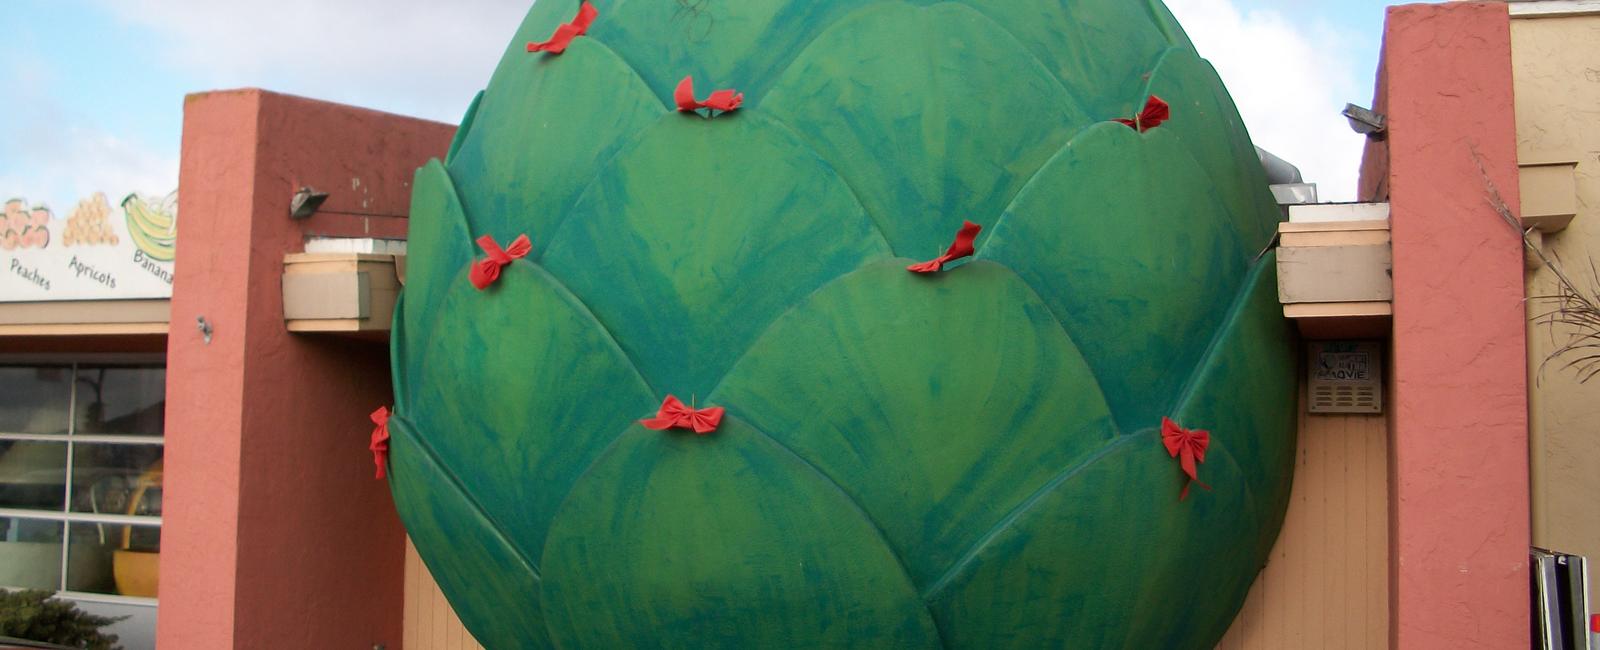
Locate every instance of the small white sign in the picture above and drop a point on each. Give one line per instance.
(99, 251)
(1344, 366)
(1346, 377)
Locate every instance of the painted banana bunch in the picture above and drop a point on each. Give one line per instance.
(967, 458)
(153, 225)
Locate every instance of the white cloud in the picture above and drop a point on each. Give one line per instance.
(50, 155)
(66, 164)
(1290, 83)
(419, 57)
(428, 58)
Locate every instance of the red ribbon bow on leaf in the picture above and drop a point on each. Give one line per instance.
(1155, 112)
(486, 271)
(567, 31)
(721, 100)
(962, 247)
(1189, 447)
(380, 441)
(674, 414)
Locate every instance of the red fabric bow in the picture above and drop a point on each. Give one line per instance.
(1189, 447)
(675, 415)
(486, 271)
(1155, 112)
(721, 100)
(380, 441)
(962, 247)
(567, 31)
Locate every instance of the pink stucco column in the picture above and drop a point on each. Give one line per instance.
(1460, 437)
(275, 534)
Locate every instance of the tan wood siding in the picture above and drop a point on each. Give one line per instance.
(1326, 584)
(430, 623)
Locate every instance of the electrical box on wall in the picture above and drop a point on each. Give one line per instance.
(1346, 377)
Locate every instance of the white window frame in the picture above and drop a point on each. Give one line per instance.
(66, 517)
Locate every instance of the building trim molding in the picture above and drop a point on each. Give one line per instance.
(1552, 8)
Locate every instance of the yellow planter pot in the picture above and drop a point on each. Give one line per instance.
(137, 572)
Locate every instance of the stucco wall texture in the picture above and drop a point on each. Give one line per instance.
(275, 535)
(1557, 73)
(1459, 462)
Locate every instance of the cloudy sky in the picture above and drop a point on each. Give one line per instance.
(94, 88)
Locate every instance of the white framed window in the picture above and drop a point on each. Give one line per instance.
(81, 444)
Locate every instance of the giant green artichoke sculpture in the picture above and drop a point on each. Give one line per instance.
(968, 459)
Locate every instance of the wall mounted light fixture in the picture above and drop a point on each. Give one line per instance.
(305, 203)
(1366, 122)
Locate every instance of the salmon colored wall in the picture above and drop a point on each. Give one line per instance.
(274, 533)
(1460, 437)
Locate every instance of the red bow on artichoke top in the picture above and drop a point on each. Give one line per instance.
(1155, 112)
(380, 441)
(962, 247)
(1189, 447)
(674, 414)
(486, 271)
(720, 100)
(567, 31)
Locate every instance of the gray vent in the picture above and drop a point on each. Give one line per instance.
(1346, 377)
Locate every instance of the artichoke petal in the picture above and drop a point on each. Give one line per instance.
(652, 550)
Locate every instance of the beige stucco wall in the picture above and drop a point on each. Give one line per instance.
(1556, 64)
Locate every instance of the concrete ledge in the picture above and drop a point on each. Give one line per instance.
(1335, 273)
(1552, 8)
(1549, 194)
(1316, 213)
(340, 292)
(1342, 320)
(1335, 278)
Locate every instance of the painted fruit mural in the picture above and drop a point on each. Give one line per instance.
(22, 228)
(89, 224)
(153, 224)
(968, 458)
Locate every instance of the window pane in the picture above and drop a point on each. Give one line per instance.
(33, 474)
(34, 399)
(114, 559)
(121, 399)
(105, 477)
(30, 553)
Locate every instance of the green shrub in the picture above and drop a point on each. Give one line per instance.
(36, 616)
